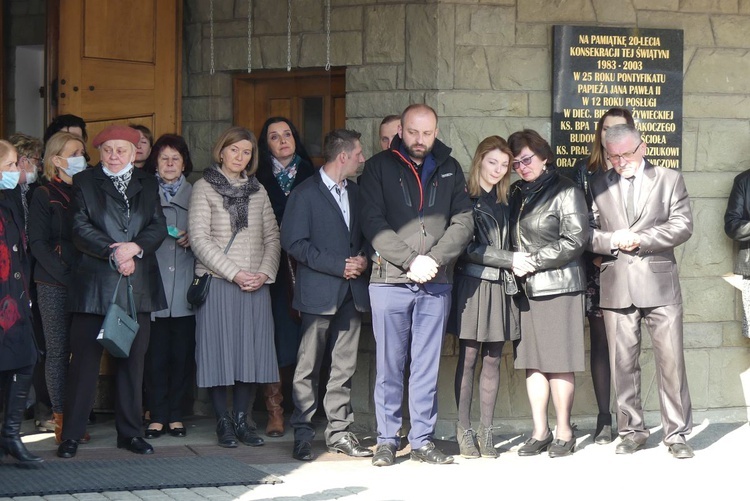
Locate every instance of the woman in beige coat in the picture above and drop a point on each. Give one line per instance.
(235, 238)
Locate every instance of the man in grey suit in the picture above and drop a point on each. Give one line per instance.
(321, 231)
(641, 213)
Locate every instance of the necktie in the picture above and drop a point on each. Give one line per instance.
(630, 201)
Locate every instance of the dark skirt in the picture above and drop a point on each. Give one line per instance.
(234, 337)
(552, 334)
(482, 312)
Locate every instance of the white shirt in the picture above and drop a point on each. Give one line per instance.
(339, 194)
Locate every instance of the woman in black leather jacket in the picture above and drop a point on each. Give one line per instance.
(549, 226)
(483, 314)
(117, 218)
(737, 227)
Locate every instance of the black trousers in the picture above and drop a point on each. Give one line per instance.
(169, 365)
(86, 353)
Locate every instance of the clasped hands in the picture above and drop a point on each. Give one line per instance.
(250, 282)
(123, 253)
(354, 267)
(422, 269)
(523, 264)
(625, 240)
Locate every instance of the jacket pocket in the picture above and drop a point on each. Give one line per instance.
(405, 191)
(433, 193)
(660, 266)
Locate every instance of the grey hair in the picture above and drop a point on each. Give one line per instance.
(619, 132)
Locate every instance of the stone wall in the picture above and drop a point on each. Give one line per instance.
(23, 24)
(485, 65)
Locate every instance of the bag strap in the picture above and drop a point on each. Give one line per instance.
(226, 249)
(131, 301)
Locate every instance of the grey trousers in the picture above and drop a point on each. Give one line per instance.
(338, 333)
(624, 338)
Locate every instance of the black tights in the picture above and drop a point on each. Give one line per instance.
(601, 374)
(242, 396)
(489, 380)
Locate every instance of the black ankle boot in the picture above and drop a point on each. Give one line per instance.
(244, 429)
(225, 431)
(15, 405)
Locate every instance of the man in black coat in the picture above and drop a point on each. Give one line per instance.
(321, 231)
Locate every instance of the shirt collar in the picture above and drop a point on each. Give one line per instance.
(330, 183)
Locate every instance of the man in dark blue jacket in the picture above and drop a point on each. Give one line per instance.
(416, 213)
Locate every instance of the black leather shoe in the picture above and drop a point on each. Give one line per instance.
(603, 433)
(561, 448)
(135, 445)
(178, 431)
(428, 453)
(302, 451)
(533, 447)
(67, 449)
(349, 445)
(681, 451)
(385, 455)
(244, 430)
(627, 446)
(153, 433)
(225, 432)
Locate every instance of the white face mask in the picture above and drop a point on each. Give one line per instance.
(31, 177)
(124, 171)
(75, 165)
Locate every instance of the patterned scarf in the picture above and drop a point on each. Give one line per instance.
(170, 189)
(236, 196)
(121, 182)
(285, 175)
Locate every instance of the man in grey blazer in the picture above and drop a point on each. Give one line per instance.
(321, 231)
(641, 213)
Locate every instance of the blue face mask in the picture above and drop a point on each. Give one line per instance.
(75, 165)
(9, 180)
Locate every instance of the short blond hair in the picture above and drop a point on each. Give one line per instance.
(55, 145)
(6, 148)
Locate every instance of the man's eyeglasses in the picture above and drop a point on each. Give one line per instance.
(526, 161)
(625, 156)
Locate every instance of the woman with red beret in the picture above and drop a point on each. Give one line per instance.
(117, 217)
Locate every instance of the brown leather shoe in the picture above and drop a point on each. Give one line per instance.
(275, 425)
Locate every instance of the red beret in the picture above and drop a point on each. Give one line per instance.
(122, 132)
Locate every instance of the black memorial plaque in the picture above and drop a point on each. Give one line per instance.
(598, 68)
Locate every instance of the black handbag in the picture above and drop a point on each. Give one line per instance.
(198, 290)
(119, 327)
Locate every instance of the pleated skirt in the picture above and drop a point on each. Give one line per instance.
(482, 312)
(234, 337)
(552, 334)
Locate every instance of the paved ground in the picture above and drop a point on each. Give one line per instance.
(720, 468)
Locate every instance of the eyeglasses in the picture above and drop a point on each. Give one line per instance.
(625, 156)
(526, 161)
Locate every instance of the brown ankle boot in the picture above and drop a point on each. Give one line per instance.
(58, 430)
(275, 426)
(58, 427)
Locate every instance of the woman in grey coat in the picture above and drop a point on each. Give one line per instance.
(171, 349)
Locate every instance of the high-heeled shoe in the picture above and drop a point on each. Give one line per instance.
(561, 448)
(533, 447)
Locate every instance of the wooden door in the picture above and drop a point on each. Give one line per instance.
(314, 101)
(120, 62)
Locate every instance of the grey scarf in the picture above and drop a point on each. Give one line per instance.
(236, 197)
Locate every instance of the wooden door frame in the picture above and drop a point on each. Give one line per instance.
(51, 51)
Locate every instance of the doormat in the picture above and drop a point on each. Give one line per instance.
(69, 477)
